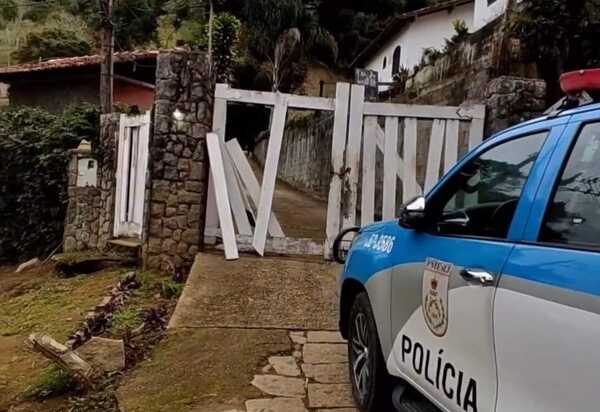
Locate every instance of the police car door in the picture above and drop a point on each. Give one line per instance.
(547, 308)
(442, 305)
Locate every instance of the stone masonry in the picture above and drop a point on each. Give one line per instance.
(176, 197)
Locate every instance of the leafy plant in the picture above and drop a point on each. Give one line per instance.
(51, 42)
(34, 155)
(461, 30)
(127, 319)
(170, 289)
(53, 381)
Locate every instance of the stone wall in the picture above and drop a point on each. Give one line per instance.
(90, 210)
(81, 225)
(305, 160)
(466, 73)
(176, 197)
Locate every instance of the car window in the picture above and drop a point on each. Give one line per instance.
(481, 198)
(573, 215)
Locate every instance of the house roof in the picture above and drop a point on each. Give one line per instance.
(75, 62)
(398, 23)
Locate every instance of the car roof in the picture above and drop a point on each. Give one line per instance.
(565, 113)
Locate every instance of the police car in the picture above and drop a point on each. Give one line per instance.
(485, 295)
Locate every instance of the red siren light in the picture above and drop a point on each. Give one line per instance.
(573, 83)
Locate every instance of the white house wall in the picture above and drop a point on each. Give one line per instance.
(486, 12)
(429, 31)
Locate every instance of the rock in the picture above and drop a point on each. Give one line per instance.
(327, 373)
(275, 405)
(325, 337)
(280, 386)
(266, 369)
(105, 354)
(330, 396)
(285, 365)
(298, 338)
(325, 353)
(28, 265)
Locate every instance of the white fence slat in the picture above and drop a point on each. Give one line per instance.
(221, 197)
(434, 158)
(390, 168)
(410, 189)
(218, 127)
(423, 111)
(451, 151)
(357, 100)
(235, 196)
(338, 146)
(476, 130)
(250, 182)
(270, 99)
(119, 210)
(380, 138)
(367, 210)
(270, 176)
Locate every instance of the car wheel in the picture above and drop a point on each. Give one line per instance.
(368, 374)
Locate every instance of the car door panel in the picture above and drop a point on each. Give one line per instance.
(547, 307)
(457, 369)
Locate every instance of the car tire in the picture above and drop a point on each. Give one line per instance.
(371, 384)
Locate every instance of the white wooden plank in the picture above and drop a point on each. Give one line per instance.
(143, 149)
(476, 130)
(451, 149)
(390, 168)
(357, 99)
(221, 197)
(410, 190)
(250, 182)
(423, 111)
(219, 127)
(269, 176)
(235, 195)
(270, 99)
(434, 158)
(380, 139)
(367, 210)
(338, 147)
(119, 210)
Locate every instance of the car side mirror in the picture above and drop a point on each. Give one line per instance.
(412, 215)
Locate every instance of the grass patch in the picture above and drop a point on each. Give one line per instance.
(127, 319)
(171, 290)
(53, 381)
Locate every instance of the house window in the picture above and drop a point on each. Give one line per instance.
(490, 2)
(396, 60)
(384, 62)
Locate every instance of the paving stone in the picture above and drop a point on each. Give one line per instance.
(280, 386)
(285, 365)
(325, 353)
(298, 338)
(330, 395)
(297, 355)
(275, 405)
(325, 337)
(266, 369)
(327, 373)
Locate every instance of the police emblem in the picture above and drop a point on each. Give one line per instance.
(435, 296)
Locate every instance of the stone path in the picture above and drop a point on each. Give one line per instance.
(314, 377)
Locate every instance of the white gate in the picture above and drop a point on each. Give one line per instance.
(132, 165)
(357, 137)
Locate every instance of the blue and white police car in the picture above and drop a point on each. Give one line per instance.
(485, 295)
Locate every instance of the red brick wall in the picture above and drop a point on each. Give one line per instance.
(132, 94)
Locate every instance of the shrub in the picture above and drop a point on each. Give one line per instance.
(126, 319)
(34, 156)
(170, 289)
(53, 381)
(51, 42)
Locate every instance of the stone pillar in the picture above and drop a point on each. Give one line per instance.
(81, 225)
(178, 160)
(511, 100)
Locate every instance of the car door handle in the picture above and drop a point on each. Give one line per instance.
(478, 276)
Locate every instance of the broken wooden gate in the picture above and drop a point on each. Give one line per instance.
(361, 130)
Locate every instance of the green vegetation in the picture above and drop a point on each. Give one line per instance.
(53, 381)
(170, 289)
(34, 155)
(127, 320)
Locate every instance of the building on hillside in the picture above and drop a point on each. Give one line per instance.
(57, 83)
(402, 44)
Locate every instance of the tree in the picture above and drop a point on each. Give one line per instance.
(51, 42)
